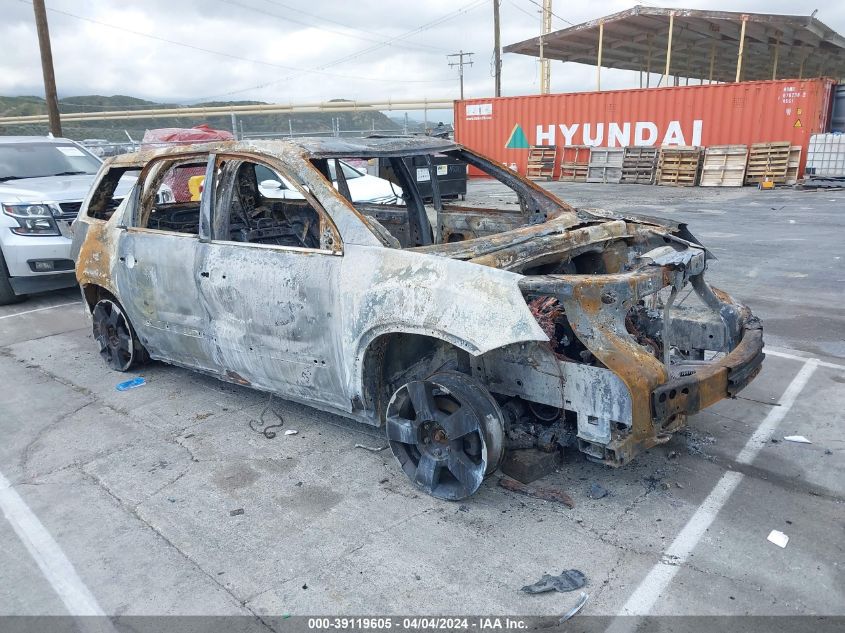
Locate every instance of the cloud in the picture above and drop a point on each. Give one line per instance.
(265, 47)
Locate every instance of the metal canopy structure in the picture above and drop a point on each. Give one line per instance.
(698, 44)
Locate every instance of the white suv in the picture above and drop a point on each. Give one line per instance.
(42, 184)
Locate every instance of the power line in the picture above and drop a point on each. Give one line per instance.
(471, 6)
(539, 6)
(229, 55)
(287, 18)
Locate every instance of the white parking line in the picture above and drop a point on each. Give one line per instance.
(59, 305)
(657, 580)
(780, 353)
(51, 560)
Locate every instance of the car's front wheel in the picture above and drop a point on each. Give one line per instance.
(446, 432)
(7, 294)
(116, 339)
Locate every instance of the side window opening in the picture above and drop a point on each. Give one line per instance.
(175, 206)
(103, 201)
(264, 207)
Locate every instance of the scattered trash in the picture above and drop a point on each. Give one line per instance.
(372, 449)
(546, 494)
(665, 485)
(827, 451)
(267, 430)
(234, 513)
(597, 491)
(778, 538)
(126, 385)
(672, 455)
(798, 439)
(463, 508)
(569, 580)
(578, 606)
(203, 416)
(291, 432)
(305, 586)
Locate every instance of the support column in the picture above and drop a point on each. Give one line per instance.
(598, 61)
(775, 61)
(669, 48)
(648, 63)
(712, 61)
(741, 48)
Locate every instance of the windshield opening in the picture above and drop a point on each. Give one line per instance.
(37, 160)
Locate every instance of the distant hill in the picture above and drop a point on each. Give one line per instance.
(310, 123)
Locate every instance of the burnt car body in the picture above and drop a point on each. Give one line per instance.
(464, 331)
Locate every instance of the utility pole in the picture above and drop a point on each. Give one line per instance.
(497, 46)
(460, 64)
(47, 67)
(545, 64)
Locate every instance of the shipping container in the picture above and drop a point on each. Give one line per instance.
(717, 114)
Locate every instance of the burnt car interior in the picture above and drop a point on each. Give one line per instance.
(103, 203)
(243, 214)
(173, 210)
(413, 222)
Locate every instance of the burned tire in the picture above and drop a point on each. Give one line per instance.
(7, 294)
(446, 432)
(116, 339)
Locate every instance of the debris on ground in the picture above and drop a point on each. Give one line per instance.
(268, 430)
(597, 491)
(291, 432)
(237, 512)
(546, 494)
(798, 439)
(569, 580)
(126, 385)
(778, 538)
(582, 600)
(372, 449)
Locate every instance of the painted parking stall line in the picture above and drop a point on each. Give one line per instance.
(644, 597)
(59, 305)
(51, 560)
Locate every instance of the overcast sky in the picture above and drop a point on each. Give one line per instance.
(303, 51)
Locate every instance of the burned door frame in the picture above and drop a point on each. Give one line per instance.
(157, 272)
(273, 306)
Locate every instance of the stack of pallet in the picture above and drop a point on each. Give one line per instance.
(571, 168)
(792, 165)
(638, 164)
(724, 166)
(768, 162)
(541, 162)
(605, 164)
(678, 166)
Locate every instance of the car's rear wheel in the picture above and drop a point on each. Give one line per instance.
(446, 432)
(7, 294)
(116, 339)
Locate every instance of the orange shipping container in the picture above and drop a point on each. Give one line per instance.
(717, 114)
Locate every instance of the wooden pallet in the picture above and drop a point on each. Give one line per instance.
(792, 165)
(767, 161)
(678, 166)
(605, 164)
(638, 165)
(724, 166)
(574, 170)
(541, 162)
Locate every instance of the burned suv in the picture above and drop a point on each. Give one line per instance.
(464, 330)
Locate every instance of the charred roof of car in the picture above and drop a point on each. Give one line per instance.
(308, 147)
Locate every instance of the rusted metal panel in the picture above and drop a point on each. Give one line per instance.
(718, 114)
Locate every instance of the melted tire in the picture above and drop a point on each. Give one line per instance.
(446, 432)
(118, 345)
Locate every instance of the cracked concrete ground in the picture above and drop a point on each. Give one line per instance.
(143, 490)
